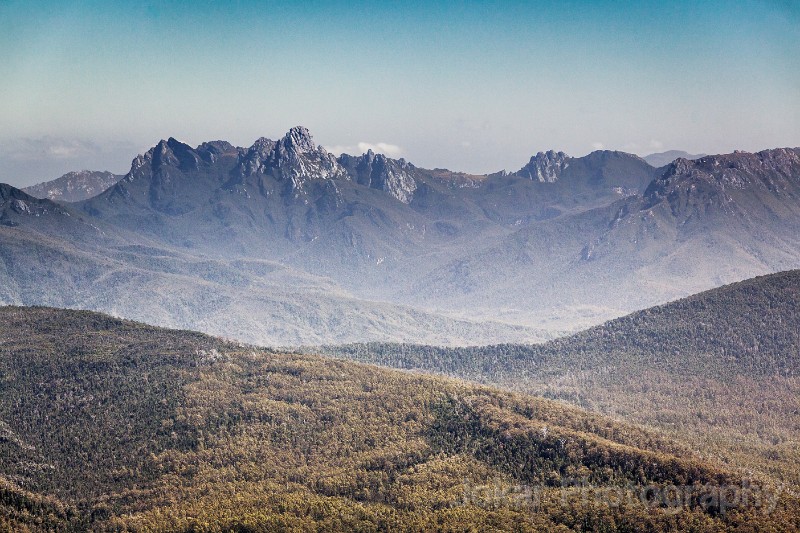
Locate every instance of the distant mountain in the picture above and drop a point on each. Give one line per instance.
(113, 425)
(700, 224)
(662, 159)
(602, 169)
(290, 200)
(46, 218)
(560, 244)
(51, 254)
(74, 186)
(545, 167)
(377, 171)
(704, 367)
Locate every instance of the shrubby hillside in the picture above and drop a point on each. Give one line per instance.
(719, 368)
(113, 425)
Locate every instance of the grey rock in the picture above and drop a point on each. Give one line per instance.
(74, 186)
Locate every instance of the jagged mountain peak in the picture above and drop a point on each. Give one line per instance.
(737, 168)
(253, 160)
(545, 167)
(377, 171)
(294, 157)
(169, 153)
(263, 144)
(552, 154)
(211, 151)
(217, 146)
(300, 139)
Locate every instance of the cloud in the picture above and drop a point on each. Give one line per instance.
(48, 148)
(390, 150)
(597, 145)
(656, 145)
(24, 161)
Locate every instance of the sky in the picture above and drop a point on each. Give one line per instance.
(470, 86)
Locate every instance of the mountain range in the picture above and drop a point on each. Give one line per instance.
(232, 240)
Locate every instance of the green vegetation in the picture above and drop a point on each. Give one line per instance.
(113, 425)
(720, 370)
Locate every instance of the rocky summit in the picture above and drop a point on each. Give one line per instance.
(74, 186)
(545, 166)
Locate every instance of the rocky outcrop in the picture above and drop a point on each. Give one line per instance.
(545, 167)
(394, 176)
(294, 158)
(74, 186)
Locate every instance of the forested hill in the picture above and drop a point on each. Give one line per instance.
(720, 367)
(747, 327)
(113, 425)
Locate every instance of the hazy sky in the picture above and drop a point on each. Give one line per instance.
(463, 85)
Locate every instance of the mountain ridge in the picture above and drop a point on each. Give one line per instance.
(74, 186)
(608, 235)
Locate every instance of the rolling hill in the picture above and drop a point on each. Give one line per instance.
(719, 369)
(114, 425)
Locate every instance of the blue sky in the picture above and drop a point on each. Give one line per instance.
(465, 85)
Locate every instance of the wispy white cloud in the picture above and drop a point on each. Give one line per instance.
(48, 148)
(24, 161)
(598, 146)
(390, 150)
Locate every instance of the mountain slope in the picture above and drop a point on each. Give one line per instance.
(601, 169)
(293, 202)
(53, 255)
(372, 225)
(118, 425)
(74, 186)
(719, 368)
(701, 224)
